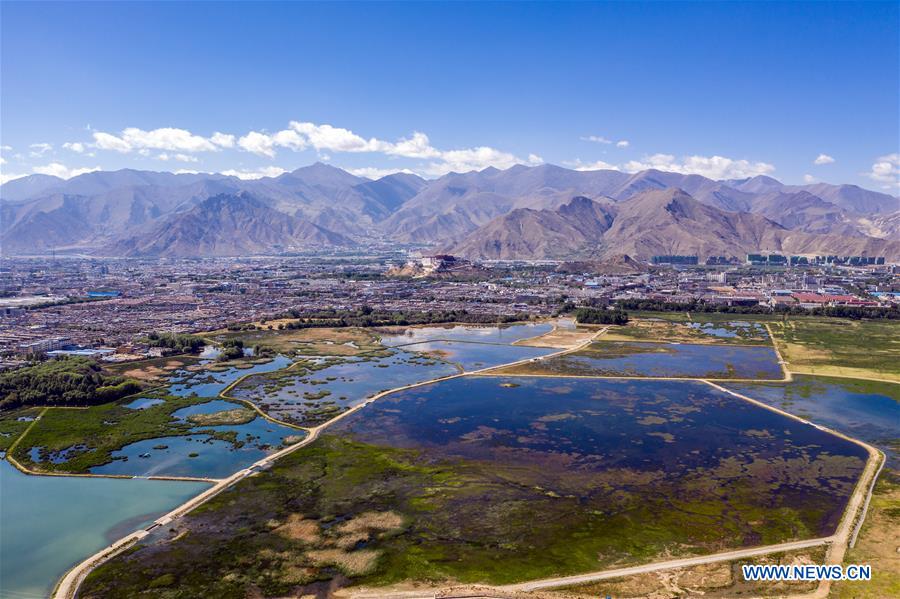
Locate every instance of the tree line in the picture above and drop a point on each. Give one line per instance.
(854, 312)
(67, 381)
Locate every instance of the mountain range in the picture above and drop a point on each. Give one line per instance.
(539, 212)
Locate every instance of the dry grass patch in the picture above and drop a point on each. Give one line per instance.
(351, 563)
(300, 529)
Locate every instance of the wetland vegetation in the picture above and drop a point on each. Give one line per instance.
(443, 482)
(643, 359)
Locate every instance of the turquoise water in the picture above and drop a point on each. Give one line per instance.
(841, 405)
(49, 524)
(201, 455)
(482, 334)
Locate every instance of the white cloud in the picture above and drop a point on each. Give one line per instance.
(337, 139)
(712, 167)
(164, 138)
(886, 170)
(599, 139)
(623, 143)
(417, 146)
(168, 143)
(476, 159)
(370, 172)
(105, 141)
(257, 143)
(266, 171)
(178, 157)
(809, 179)
(222, 140)
(599, 165)
(77, 146)
(60, 170)
(38, 150)
(823, 159)
(6, 148)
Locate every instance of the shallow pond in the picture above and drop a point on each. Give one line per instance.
(309, 398)
(49, 524)
(142, 403)
(482, 334)
(614, 358)
(476, 356)
(731, 330)
(845, 406)
(209, 383)
(201, 455)
(596, 438)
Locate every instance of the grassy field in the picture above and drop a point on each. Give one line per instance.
(92, 434)
(11, 427)
(720, 332)
(839, 347)
(313, 341)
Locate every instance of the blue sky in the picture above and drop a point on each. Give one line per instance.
(721, 89)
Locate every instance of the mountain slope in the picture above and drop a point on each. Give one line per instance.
(654, 222)
(227, 225)
(96, 209)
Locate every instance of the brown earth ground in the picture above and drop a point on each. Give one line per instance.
(719, 580)
(559, 338)
(709, 580)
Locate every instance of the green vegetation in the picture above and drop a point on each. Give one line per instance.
(852, 312)
(380, 516)
(865, 348)
(87, 437)
(13, 423)
(370, 317)
(176, 342)
(70, 381)
(599, 316)
(729, 332)
(232, 349)
(346, 341)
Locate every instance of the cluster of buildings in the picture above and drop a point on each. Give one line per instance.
(104, 307)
